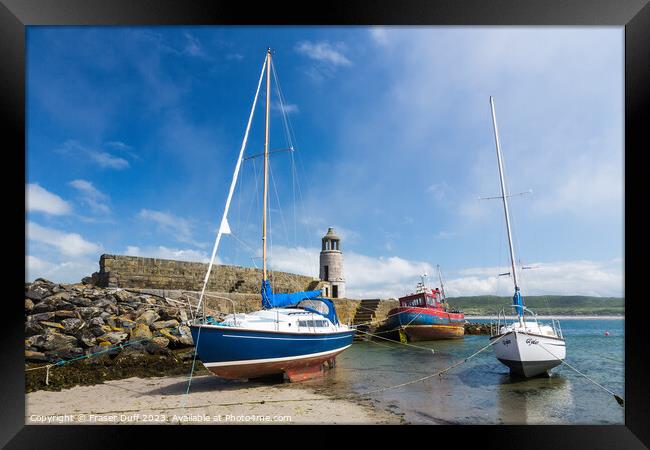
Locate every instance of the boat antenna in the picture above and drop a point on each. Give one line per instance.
(442, 286)
(266, 160)
(517, 300)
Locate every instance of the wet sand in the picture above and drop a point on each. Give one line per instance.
(211, 401)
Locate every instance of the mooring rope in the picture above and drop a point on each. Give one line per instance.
(398, 342)
(63, 362)
(438, 373)
(618, 399)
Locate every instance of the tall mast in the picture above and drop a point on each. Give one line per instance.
(442, 287)
(266, 158)
(504, 196)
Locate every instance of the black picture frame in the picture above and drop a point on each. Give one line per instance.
(634, 15)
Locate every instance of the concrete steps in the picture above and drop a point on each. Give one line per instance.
(365, 313)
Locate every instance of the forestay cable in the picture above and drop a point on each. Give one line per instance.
(223, 227)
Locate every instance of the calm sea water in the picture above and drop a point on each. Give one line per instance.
(481, 391)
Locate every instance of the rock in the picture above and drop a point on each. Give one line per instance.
(164, 324)
(81, 301)
(33, 328)
(34, 356)
(38, 291)
(86, 337)
(141, 331)
(157, 345)
(90, 312)
(57, 341)
(114, 337)
(52, 324)
(186, 340)
(58, 297)
(87, 281)
(64, 353)
(186, 356)
(71, 326)
(111, 321)
(147, 317)
(103, 302)
(166, 332)
(126, 323)
(41, 316)
(169, 314)
(65, 314)
(29, 305)
(134, 354)
(35, 341)
(122, 296)
(42, 308)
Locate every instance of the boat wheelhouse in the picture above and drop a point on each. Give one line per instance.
(426, 315)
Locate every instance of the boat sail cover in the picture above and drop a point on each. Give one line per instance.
(271, 300)
(518, 302)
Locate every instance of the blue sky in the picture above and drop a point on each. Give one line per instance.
(133, 134)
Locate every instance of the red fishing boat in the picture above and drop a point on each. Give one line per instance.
(426, 315)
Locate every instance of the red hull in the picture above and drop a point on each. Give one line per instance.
(432, 332)
(293, 370)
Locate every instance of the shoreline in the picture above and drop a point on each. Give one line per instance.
(213, 401)
(559, 317)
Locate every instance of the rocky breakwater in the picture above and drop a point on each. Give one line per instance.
(93, 334)
(477, 328)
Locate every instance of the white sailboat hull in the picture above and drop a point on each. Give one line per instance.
(528, 354)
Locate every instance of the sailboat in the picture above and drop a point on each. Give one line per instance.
(293, 334)
(526, 346)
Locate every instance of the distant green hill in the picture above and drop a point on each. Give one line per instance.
(542, 304)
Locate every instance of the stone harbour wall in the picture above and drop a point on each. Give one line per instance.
(154, 273)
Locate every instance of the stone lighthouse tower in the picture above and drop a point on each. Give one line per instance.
(331, 266)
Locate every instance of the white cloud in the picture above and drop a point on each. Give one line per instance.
(193, 46)
(68, 244)
(163, 252)
(393, 276)
(68, 271)
(40, 199)
(366, 276)
(91, 196)
(379, 35)
(323, 52)
(103, 159)
(597, 278)
(177, 226)
(289, 108)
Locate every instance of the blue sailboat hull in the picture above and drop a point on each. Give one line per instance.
(231, 352)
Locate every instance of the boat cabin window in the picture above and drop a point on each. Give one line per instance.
(413, 302)
(312, 323)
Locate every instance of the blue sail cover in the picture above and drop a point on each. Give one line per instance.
(271, 300)
(518, 301)
(328, 304)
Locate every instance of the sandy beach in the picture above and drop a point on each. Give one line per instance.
(211, 401)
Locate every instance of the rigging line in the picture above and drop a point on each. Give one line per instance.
(223, 221)
(292, 140)
(282, 107)
(618, 399)
(439, 373)
(224, 217)
(277, 197)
